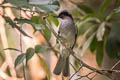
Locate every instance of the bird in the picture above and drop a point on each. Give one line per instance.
(68, 31)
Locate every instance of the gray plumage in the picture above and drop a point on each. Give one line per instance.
(68, 31)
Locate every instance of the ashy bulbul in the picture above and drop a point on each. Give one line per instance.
(68, 31)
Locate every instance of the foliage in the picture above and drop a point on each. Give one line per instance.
(47, 7)
(28, 55)
(100, 28)
(103, 24)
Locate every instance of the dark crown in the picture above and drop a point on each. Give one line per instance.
(65, 13)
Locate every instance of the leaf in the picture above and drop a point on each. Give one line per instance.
(40, 48)
(54, 20)
(93, 44)
(29, 53)
(19, 59)
(36, 19)
(15, 26)
(76, 64)
(87, 43)
(18, 2)
(40, 2)
(85, 8)
(117, 10)
(45, 66)
(101, 31)
(99, 52)
(118, 3)
(111, 46)
(7, 19)
(46, 8)
(110, 16)
(88, 19)
(12, 49)
(37, 23)
(21, 21)
(104, 5)
(47, 33)
(88, 16)
(86, 32)
(40, 24)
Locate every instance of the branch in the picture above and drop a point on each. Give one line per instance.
(19, 8)
(49, 44)
(107, 73)
(115, 65)
(76, 72)
(86, 76)
(5, 45)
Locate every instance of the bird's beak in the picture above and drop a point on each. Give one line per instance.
(55, 16)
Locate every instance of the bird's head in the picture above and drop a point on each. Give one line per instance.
(64, 15)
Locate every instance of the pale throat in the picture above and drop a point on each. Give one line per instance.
(65, 21)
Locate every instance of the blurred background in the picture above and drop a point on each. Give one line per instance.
(28, 49)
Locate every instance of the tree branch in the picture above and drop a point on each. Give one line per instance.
(107, 73)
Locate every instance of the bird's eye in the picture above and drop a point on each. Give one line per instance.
(62, 16)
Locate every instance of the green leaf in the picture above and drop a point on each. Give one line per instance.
(101, 31)
(40, 48)
(54, 20)
(118, 3)
(85, 8)
(35, 19)
(40, 24)
(19, 59)
(87, 19)
(45, 66)
(47, 33)
(18, 2)
(21, 21)
(88, 16)
(12, 49)
(110, 16)
(15, 26)
(93, 44)
(104, 5)
(76, 64)
(37, 23)
(7, 19)
(111, 46)
(99, 52)
(88, 42)
(29, 53)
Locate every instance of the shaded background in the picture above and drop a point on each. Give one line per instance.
(98, 27)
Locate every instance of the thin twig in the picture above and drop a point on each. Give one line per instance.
(22, 52)
(49, 26)
(75, 72)
(19, 8)
(105, 73)
(87, 76)
(115, 65)
(49, 44)
(5, 45)
(73, 67)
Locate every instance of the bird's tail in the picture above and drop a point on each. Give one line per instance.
(66, 70)
(62, 66)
